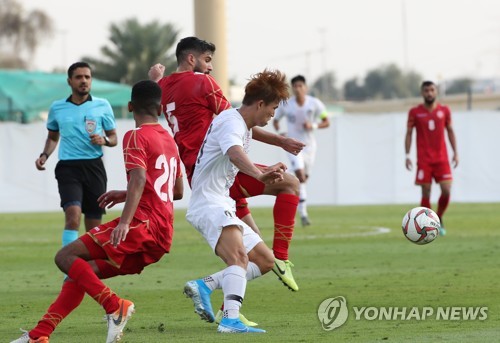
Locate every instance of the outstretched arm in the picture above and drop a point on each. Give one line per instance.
(111, 198)
(238, 157)
(453, 142)
(288, 144)
(408, 163)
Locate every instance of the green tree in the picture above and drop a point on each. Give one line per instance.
(384, 82)
(353, 91)
(133, 49)
(458, 86)
(412, 83)
(21, 32)
(324, 87)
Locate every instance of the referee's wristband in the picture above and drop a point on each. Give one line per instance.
(44, 154)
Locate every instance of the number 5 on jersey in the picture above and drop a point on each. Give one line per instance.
(172, 120)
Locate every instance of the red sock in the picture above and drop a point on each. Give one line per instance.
(425, 202)
(81, 272)
(69, 298)
(284, 211)
(242, 208)
(443, 202)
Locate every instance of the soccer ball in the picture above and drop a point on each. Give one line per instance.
(421, 225)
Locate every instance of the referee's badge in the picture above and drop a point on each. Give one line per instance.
(90, 125)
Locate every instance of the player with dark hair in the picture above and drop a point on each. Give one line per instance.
(212, 211)
(430, 120)
(84, 124)
(72, 68)
(141, 236)
(191, 98)
(189, 45)
(304, 114)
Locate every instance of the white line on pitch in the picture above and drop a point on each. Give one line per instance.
(373, 232)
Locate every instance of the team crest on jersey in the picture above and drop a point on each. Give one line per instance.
(90, 125)
(440, 114)
(420, 174)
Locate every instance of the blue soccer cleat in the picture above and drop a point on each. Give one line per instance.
(198, 291)
(227, 325)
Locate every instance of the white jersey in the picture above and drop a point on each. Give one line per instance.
(213, 172)
(313, 110)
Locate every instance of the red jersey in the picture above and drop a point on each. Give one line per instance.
(430, 126)
(190, 100)
(151, 147)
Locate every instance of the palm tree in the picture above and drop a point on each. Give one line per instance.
(133, 49)
(21, 33)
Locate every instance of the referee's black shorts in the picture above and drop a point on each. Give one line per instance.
(81, 182)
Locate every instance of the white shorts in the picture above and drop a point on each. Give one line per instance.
(304, 160)
(210, 221)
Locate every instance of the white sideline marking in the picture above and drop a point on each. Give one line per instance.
(374, 231)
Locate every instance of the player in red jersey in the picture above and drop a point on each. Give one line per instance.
(430, 120)
(191, 98)
(141, 236)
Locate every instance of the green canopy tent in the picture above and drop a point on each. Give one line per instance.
(24, 95)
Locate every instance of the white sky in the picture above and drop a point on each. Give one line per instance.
(444, 38)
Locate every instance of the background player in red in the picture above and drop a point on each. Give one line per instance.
(191, 98)
(431, 119)
(141, 236)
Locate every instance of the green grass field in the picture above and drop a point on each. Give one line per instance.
(340, 255)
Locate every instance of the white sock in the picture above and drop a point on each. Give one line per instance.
(302, 200)
(233, 286)
(214, 281)
(253, 271)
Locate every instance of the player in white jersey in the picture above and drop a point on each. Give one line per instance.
(211, 210)
(304, 114)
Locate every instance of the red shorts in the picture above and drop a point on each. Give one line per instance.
(440, 172)
(137, 251)
(245, 186)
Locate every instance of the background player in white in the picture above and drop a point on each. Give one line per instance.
(212, 211)
(304, 114)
